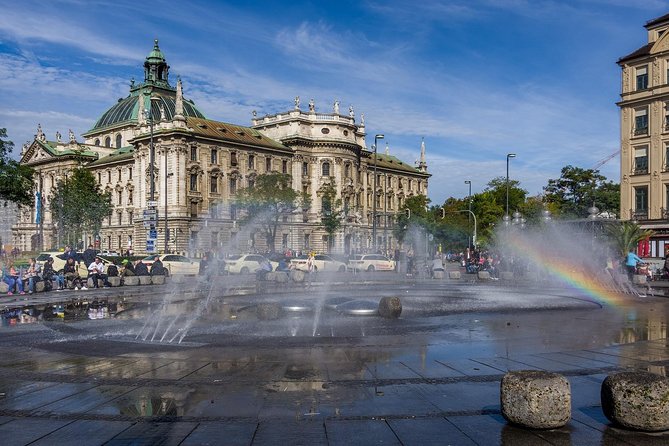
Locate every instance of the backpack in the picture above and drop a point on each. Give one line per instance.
(112, 271)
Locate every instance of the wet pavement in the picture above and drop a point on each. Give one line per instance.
(317, 376)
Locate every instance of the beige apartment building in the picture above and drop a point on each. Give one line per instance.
(199, 165)
(644, 124)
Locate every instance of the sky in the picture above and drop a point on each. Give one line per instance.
(477, 79)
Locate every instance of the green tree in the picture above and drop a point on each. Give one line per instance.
(626, 235)
(16, 180)
(578, 189)
(78, 205)
(270, 199)
(497, 190)
(414, 211)
(331, 211)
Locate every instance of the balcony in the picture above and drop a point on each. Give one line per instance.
(641, 131)
(640, 171)
(639, 214)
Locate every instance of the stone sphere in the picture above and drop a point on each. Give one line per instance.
(390, 307)
(637, 400)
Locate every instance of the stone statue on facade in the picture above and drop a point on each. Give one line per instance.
(351, 113)
(335, 107)
(254, 114)
(40, 134)
(58, 137)
(73, 139)
(362, 119)
(312, 105)
(297, 102)
(162, 111)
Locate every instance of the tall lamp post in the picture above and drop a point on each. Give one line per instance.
(508, 156)
(469, 200)
(376, 139)
(152, 159)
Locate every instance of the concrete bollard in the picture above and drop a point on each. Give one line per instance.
(506, 275)
(390, 307)
(296, 275)
(268, 311)
(454, 275)
(89, 283)
(144, 280)
(637, 400)
(114, 281)
(639, 279)
(131, 280)
(282, 277)
(39, 286)
(437, 274)
(4, 288)
(270, 277)
(483, 275)
(536, 399)
(157, 280)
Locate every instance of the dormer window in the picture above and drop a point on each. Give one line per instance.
(642, 78)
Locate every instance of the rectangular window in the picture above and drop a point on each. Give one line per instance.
(284, 166)
(193, 209)
(233, 212)
(666, 201)
(120, 218)
(252, 162)
(193, 153)
(233, 159)
(252, 183)
(130, 196)
(305, 169)
(641, 160)
(214, 156)
(284, 241)
(193, 182)
(109, 176)
(130, 173)
(213, 184)
(641, 200)
(130, 217)
(641, 121)
(268, 164)
(119, 175)
(233, 186)
(642, 78)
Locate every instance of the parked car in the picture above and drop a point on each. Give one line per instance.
(59, 261)
(322, 262)
(175, 264)
(245, 263)
(371, 262)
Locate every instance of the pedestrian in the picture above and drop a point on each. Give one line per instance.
(157, 268)
(96, 271)
(89, 255)
(631, 263)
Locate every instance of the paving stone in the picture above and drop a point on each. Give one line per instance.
(494, 430)
(224, 432)
(22, 431)
(348, 432)
(43, 397)
(163, 433)
(84, 401)
(428, 431)
(84, 433)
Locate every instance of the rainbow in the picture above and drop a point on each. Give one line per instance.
(598, 288)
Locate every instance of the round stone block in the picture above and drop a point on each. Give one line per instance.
(296, 275)
(39, 286)
(282, 277)
(484, 275)
(144, 280)
(157, 280)
(637, 400)
(536, 399)
(639, 279)
(437, 274)
(270, 277)
(268, 311)
(131, 280)
(114, 281)
(390, 307)
(4, 288)
(506, 275)
(454, 275)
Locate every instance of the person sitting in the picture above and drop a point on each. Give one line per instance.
(49, 274)
(157, 268)
(112, 270)
(71, 275)
(31, 276)
(96, 271)
(264, 268)
(128, 269)
(141, 269)
(11, 277)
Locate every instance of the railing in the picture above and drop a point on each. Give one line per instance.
(640, 171)
(664, 213)
(639, 214)
(641, 131)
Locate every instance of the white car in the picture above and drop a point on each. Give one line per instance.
(371, 262)
(175, 264)
(321, 263)
(245, 263)
(59, 261)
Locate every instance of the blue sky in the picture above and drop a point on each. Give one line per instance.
(477, 78)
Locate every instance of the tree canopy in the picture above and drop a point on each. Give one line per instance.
(331, 211)
(16, 180)
(78, 205)
(270, 199)
(578, 189)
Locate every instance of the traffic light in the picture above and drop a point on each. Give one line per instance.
(407, 212)
(443, 213)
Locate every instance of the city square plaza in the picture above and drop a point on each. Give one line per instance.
(319, 372)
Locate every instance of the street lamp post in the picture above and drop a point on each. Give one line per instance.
(508, 156)
(376, 138)
(469, 200)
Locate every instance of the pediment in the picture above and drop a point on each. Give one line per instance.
(36, 153)
(661, 45)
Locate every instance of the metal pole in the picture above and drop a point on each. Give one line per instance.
(152, 153)
(167, 233)
(508, 155)
(469, 200)
(376, 138)
(385, 213)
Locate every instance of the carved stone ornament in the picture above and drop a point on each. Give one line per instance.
(626, 178)
(656, 72)
(40, 134)
(312, 105)
(626, 79)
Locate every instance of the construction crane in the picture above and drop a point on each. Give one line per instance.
(603, 161)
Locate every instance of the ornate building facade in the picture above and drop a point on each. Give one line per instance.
(198, 166)
(644, 125)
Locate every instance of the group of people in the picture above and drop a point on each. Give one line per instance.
(24, 280)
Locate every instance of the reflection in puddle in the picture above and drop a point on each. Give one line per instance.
(71, 311)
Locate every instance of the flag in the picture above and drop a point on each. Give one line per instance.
(38, 207)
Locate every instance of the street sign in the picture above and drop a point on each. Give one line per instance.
(150, 246)
(152, 235)
(152, 204)
(150, 214)
(149, 224)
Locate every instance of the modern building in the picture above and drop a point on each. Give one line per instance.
(199, 165)
(644, 124)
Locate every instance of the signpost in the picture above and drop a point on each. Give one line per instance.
(150, 223)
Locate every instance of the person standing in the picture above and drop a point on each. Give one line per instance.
(89, 255)
(631, 263)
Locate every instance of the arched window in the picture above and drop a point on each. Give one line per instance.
(347, 170)
(107, 141)
(118, 141)
(97, 141)
(326, 169)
